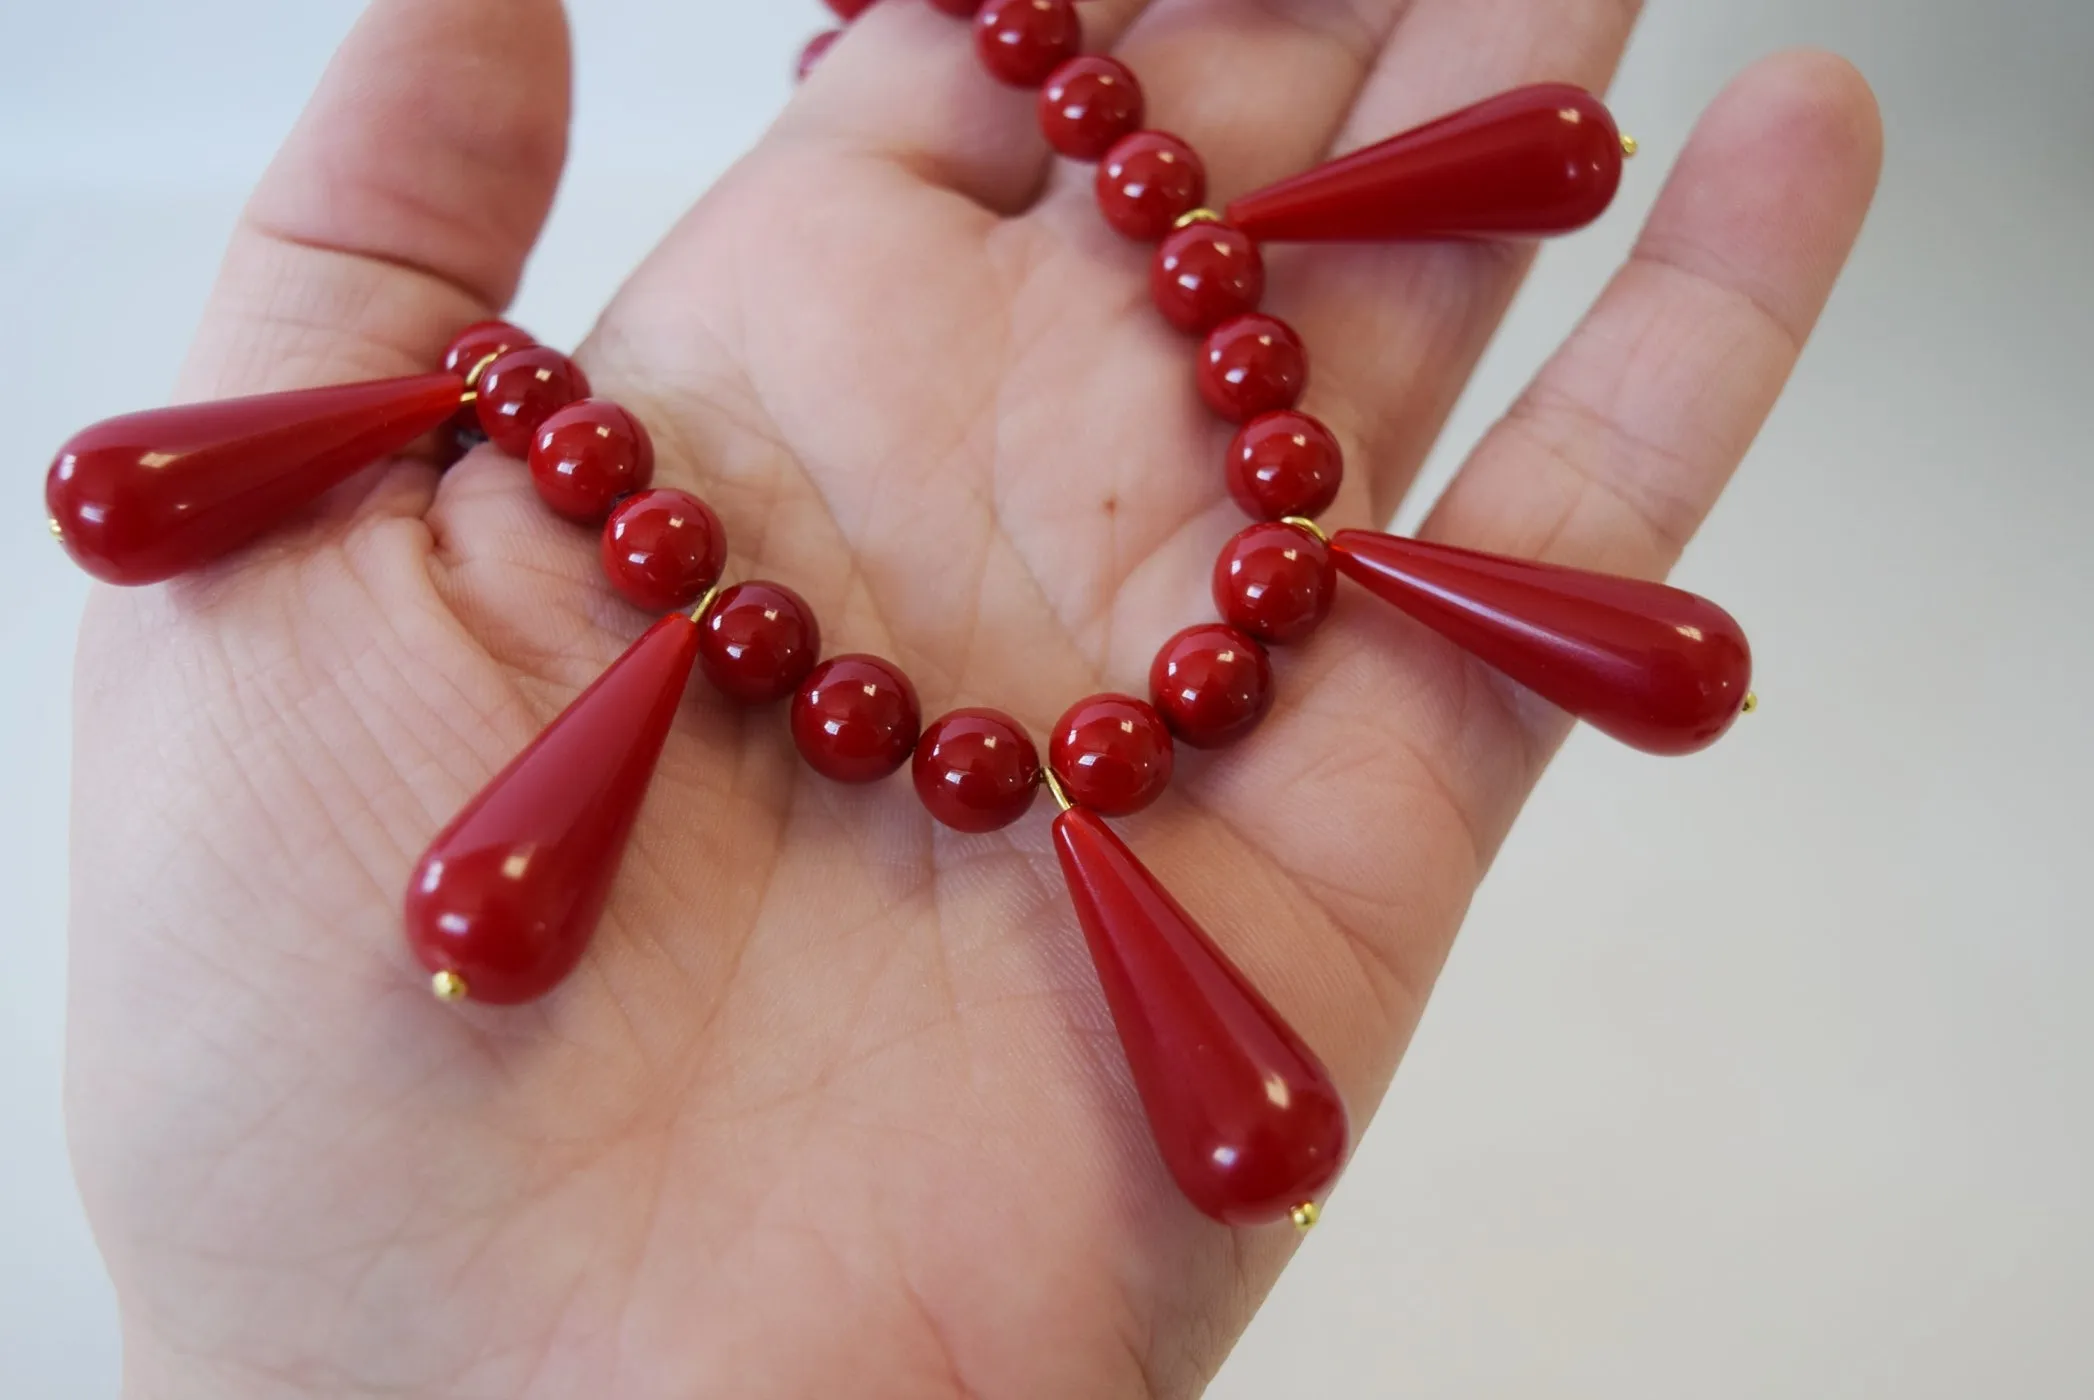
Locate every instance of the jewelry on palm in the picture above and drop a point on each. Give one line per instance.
(502, 906)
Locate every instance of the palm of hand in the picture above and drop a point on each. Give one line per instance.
(834, 1100)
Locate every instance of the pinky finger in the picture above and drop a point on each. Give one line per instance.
(1614, 455)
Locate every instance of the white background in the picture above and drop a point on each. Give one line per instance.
(1769, 1073)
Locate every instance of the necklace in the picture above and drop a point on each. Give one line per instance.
(502, 906)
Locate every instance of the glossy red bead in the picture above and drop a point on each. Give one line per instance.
(976, 770)
(1537, 160)
(522, 389)
(472, 348)
(1275, 582)
(588, 456)
(1245, 1117)
(814, 52)
(1088, 104)
(1252, 365)
(1283, 464)
(1212, 684)
(848, 10)
(1205, 274)
(855, 719)
(758, 641)
(145, 497)
(1022, 42)
(1147, 182)
(1659, 669)
(1112, 754)
(508, 896)
(662, 549)
(957, 7)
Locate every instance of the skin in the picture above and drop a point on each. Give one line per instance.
(834, 1105)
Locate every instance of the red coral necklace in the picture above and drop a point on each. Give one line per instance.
(502, 906)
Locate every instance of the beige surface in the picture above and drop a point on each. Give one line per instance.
(1765, 1074)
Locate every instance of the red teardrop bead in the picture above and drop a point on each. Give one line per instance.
(1659, 669)
(1537, 160)
(145, 497)
(508, 896)
(1245, 1116)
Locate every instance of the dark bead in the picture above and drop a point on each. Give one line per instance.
(1147, 182)
(1283, 464)
(1212, 685)
(1088, 104)
(663, 549)
(1254, 364)
(976, 770)
(1275, 581)
(855, 719)
(1204, 274)
(1112, 754)
(758, 642)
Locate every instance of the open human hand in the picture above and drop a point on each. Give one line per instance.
(833, 1106)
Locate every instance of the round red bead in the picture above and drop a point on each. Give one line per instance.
(817, 48)
(1275, 581)
(957, 7)
(1088, 104)
(473, 346)
(521, 390)
(976, 770)
(588, 456)
(1112, 754)
(758, 641)
(1212, 684)
(1147, 182)
(1204, 274)
(1254, 364)
(848, 10)
(855, 719)
(1283, 464)
(663, 549)
(1021, 42)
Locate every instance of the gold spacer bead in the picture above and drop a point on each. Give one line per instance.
(1302, 522)
(1054, 785)
(1629, 146)
(705, 604)
(57, 531)
(1305, 1216)
(1752, 702)
(449, 988)
(1197, 216)
(472, 377)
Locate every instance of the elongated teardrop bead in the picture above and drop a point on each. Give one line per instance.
(1245, 1116)
(1655, 667)
(1537, 160)
(507, 897)
(145, 497)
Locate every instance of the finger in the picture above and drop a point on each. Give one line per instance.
(1430, 307)
(1616, 452)
(904, 86)
(403, 204)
